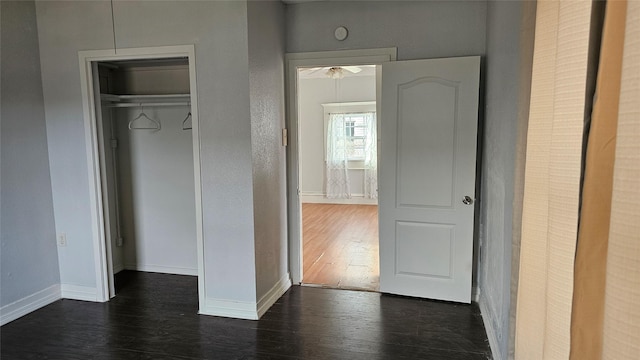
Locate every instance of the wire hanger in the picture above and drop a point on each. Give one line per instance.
(142, 115)
(184, 122)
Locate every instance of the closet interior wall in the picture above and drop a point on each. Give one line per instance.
(153, 226)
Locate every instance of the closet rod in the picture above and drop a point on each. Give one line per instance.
(148, 104)
(155, 96)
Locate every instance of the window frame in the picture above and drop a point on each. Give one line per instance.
(346, 108)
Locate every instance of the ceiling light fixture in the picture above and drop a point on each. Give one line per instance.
(335, 72)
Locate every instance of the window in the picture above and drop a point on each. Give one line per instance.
(350, 147)
(348, 131)
(355, 130)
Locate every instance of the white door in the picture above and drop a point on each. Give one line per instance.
(107, 169)
(427, 152)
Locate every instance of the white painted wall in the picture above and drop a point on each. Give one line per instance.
(266, 82)
(28, 261)
(312, 93)
(157, 195)
(219, 31)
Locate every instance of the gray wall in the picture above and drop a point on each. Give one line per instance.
(507, 78)
(266, 80)
(61, 33)
(28, 260)
(219, 31)
(419, 29)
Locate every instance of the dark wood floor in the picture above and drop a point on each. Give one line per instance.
(154, 317)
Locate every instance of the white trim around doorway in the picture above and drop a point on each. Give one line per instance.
(293, 62)
(103, 272)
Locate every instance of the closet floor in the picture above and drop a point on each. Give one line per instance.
(154, 316)
(340, 246)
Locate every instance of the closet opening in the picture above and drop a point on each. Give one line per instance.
(143, 120)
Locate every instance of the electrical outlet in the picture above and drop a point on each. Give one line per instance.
(119, 242)
(62, 239)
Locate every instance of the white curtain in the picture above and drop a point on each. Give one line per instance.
(371, 158)
(337, 177)
(552, 179)
(622, 293)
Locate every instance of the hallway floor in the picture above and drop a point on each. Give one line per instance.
(154, 316)
(340, 246)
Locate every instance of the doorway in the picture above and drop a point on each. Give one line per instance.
(142, 134)
(338, 176)
(427, 161)
(318, 64)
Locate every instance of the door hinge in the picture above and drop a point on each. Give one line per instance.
(285, 139)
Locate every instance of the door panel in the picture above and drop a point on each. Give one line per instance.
(435, 130)
(427, 153)
(415, 241)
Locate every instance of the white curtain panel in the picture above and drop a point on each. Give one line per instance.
(622, 294)
(552, 179)
(371, 158)
(337, 177)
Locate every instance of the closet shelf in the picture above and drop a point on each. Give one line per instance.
(146, 100)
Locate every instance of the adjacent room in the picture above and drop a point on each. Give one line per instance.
(338, 176)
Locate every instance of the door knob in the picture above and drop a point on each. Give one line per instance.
(467, 200)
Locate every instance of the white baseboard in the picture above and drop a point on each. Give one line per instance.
(231, 309)
(274, 294)
(162, 269)
(29, 304)
(491, 332)
(358, 199)
(247, 309)
(76, 292)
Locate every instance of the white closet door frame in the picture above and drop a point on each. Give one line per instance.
(97, 177)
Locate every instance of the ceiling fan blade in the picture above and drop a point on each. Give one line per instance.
(312, 70)
(352, 69)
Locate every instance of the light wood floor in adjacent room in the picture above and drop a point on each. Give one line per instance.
(340, 246)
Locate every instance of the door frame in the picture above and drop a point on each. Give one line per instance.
(293, 61)
(97, 177)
